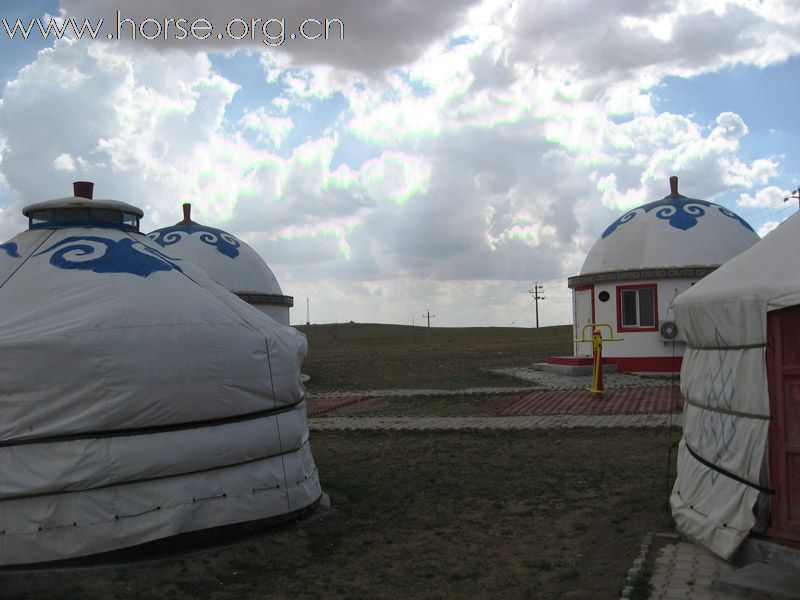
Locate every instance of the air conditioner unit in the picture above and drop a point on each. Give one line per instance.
(669, 332)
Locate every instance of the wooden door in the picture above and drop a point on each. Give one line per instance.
(783, 372)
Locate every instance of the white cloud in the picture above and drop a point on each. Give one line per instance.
(768, 197)
(767, 227)
(439, 151)
(269, 128)
(64, 162)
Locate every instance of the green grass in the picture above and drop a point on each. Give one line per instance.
(431, 515)
(358, 356)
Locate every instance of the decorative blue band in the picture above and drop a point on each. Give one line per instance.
(103, 255)
(11, 249)
(224, 242)
(681, 213)
(697, 272)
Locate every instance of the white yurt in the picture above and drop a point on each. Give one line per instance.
(637, 267)
(139, 399)
(229, 261)
(739, 458)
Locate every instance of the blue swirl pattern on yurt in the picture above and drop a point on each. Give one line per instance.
(224, 242)
(103, 255)
(11, 249)
(681, 213)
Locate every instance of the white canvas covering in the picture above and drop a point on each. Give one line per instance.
(139, 399)
(228, 260)
(724, 379)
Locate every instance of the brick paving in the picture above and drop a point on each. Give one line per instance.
(684, 571)
(662, 399)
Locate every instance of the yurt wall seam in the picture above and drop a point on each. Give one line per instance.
(278, 426)
(26, 258)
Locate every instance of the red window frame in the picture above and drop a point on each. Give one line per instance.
(620, 289)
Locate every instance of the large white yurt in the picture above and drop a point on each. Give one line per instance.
(229, 261)
(739, 458)
(139, 399)
(641, 262)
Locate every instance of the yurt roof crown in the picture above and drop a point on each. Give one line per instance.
(81, 210)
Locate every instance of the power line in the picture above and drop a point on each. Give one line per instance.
(794, 196)
(537, 289)
(429, 316)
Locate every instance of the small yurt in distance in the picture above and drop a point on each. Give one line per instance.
(739, 457)
(139, 399)
(228, 260)
(637, 267)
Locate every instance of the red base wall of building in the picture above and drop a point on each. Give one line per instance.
(626, 364)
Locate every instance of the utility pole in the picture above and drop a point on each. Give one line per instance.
(795, 196)
(537, 289)
(308, 314)
(429, 316)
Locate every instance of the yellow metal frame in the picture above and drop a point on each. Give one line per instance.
(597, 340)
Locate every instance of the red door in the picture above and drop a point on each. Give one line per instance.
(783, 372)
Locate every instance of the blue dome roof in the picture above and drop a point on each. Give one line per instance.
(226, 258)
(675, 231)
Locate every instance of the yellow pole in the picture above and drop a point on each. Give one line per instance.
(597, 340)
(597, 351)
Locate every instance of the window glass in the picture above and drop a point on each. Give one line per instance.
(105, 215)
(61, 215)
(628, 301)
(39, 216)
(130, 219)
(646, 308)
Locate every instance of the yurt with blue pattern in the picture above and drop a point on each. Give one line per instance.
(229, 261)
(639, 265)
(139, 399)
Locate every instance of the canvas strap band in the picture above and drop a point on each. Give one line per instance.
(154, 429)
(726, 411)
(741, 347)
(727, 473)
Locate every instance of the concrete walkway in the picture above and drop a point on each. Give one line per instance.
(538, 379)
(684, 571)
(504, 423)
(543, 381)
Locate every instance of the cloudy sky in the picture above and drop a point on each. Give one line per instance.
(406, 156)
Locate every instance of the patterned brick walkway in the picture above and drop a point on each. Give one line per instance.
(628, 400)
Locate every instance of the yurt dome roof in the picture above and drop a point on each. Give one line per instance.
(227, 259)
(140, 398)
(675, 231)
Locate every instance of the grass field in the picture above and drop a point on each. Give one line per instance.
(359, 356)
(540, 514)
(524, 514)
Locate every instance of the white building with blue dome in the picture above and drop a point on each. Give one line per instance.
(229, 261)
(641, 262)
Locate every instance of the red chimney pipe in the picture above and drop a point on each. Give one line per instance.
(83, 189)
(673, 186)
(187, 213)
